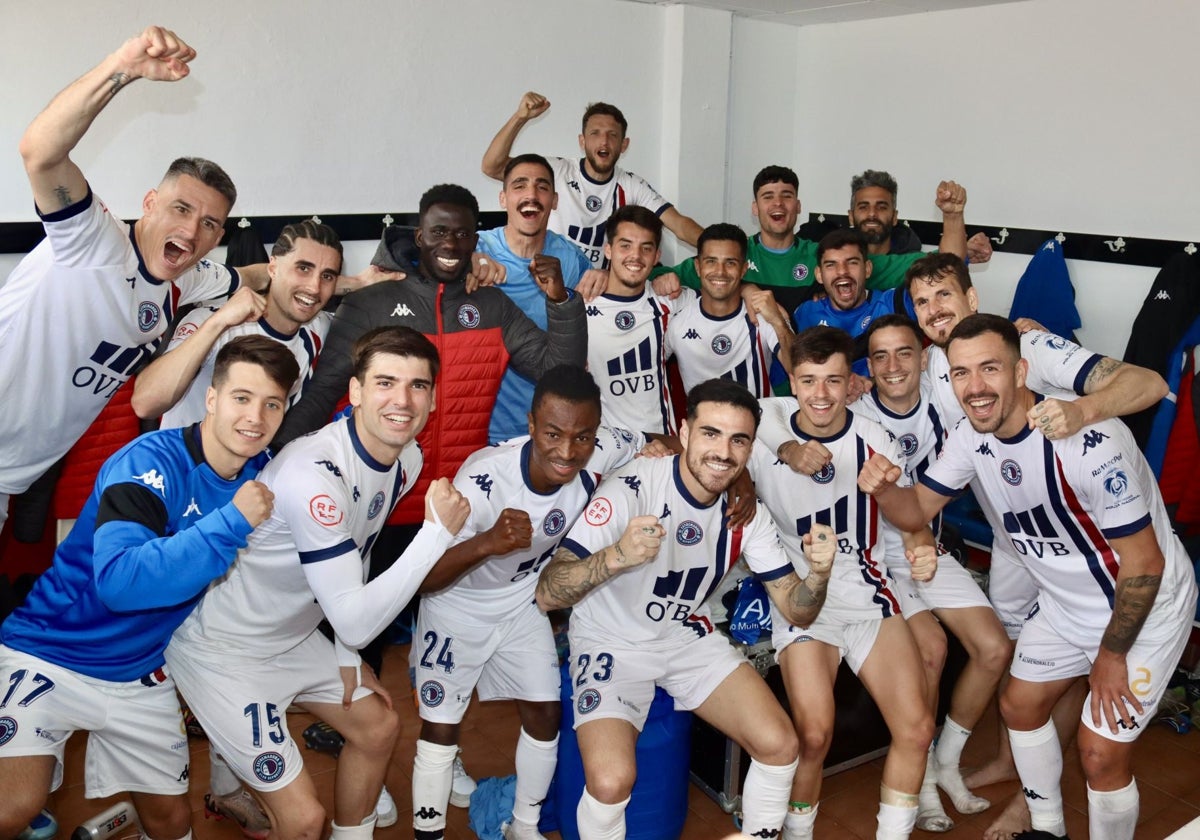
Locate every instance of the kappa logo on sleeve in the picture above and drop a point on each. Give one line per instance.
(152, 478)
(325, 510)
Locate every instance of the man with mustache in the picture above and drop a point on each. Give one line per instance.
(594, 186)
(531, 254)
(637, 567)
(1115, 592)
(779, 259)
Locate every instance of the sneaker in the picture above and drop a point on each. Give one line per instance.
(322, 737)
(385, 810)
(463, 786)
(43, 827)
(520, 830)
(242, 808)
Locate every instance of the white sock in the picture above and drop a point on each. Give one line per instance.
(931, 816)
(597, 821)
(1113, 814)
(947, 755)
(433, 774)
(536, 761)
(797, 826)
(1038, 757)
(765, 797)
(221, 780)
(895, 822)
(363, 831)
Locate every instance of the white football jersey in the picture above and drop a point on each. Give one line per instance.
(859, 585)
(77, 315)
(627, 356)
(584, 205)
(1057, 368)
(331, 499)
(1055, 504)
(305, 345)
(496, 478)
(647, 603)
(726, 347)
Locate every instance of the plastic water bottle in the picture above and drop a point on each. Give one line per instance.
(108, 824)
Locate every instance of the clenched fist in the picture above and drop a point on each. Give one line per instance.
(443, 503)
(255, 502)
(820, 547)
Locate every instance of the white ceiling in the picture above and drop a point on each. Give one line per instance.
(805, 12)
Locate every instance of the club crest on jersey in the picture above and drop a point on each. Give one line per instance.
(598, 512)
(625, 320)
(593, 203)
(721, 345)
(554, 522)
(148, 315)
(799, 272)
(908, 444)
(689, 533)
(865, 322)
(1010, 471)
(1116, 482)
(588, 701)
(824, 475)
(269, 766)
(325, 510)
(468, 316)
(8, 728)
(432, 693)
(376, 505)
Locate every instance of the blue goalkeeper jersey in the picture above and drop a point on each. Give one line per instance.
(158, 527)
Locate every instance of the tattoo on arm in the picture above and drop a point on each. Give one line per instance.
(800, 599)
(63, 194)
(1099, 375)
(1131, 605)
(566, 578)
(118, 80)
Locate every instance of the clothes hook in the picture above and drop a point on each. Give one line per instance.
(387, 220)
(243, 223)
(1116, 245)
(999, 240)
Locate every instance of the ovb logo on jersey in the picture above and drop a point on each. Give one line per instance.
(554, 522)
(799, 272)
(721, 345)
(588, 701)
(908, 444)
(689, 533)
(1116, 482)
(8, 728)
(468, 316)
(269, 766)
(625, 320)
(148, 315)
(376, 505)
(1010, 471)
(432, 693)
(824, 475)
(593, 203)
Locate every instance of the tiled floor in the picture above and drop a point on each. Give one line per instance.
(1167, 767)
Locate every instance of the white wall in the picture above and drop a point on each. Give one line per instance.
(337, 109)
(1074, 115)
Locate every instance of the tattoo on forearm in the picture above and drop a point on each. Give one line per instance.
(566, 579)
(1131, 605)
(118, 80)
(800, 599)
(63, 194)
(1099, 374)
